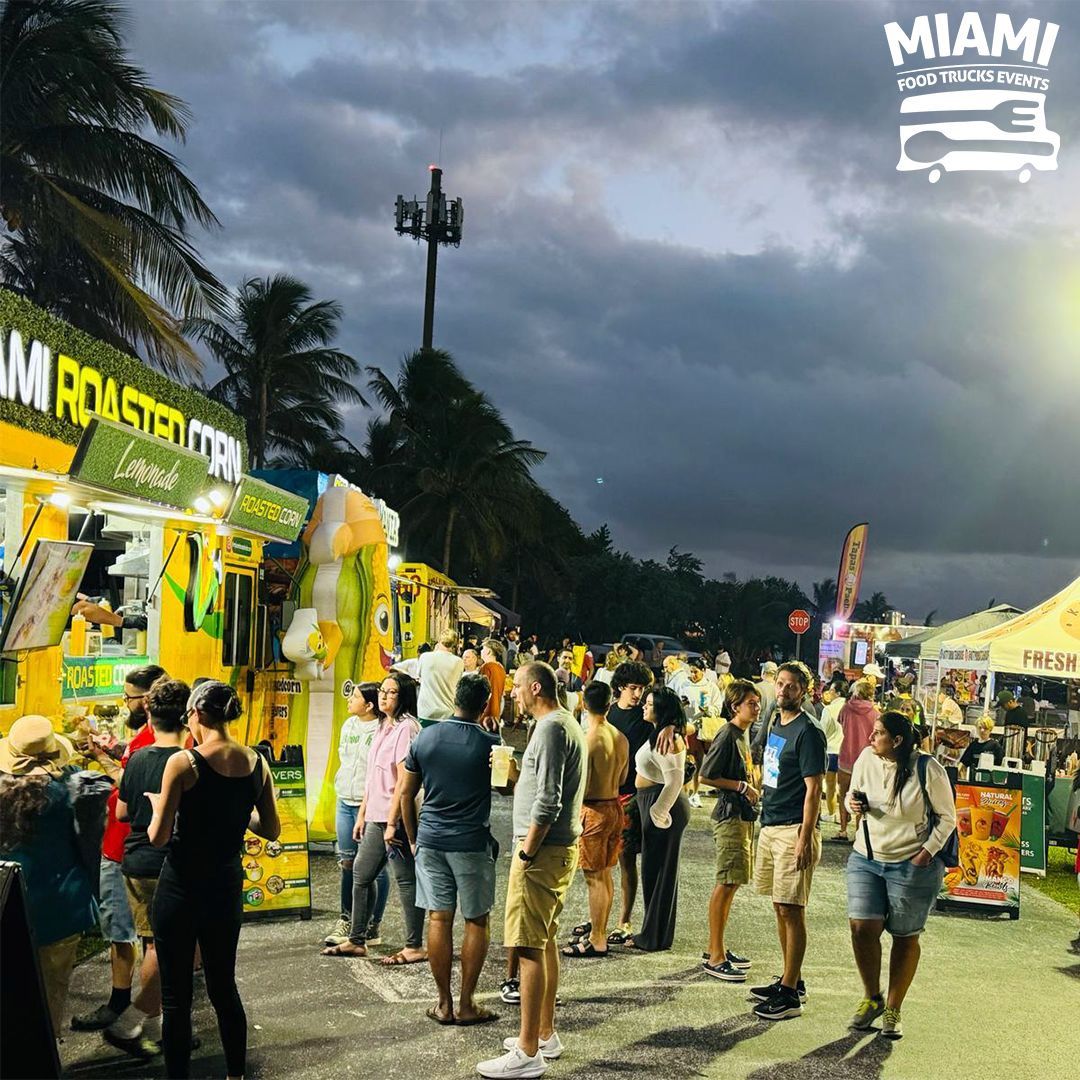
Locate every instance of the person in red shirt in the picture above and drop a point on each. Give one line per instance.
(117, 923)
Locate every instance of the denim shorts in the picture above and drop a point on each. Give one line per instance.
(117, 922)
(446, 880)
(901, 893)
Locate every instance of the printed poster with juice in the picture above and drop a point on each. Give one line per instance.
(276, 872)
(988, 827)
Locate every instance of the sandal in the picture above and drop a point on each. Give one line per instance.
(581, 931)
(399, 959)
(339, 950)
(583, 950)
(446, 1021)
(618, 937)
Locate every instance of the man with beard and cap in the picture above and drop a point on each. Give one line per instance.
(117, 922)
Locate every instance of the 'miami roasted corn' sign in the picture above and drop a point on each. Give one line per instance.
(36, 376)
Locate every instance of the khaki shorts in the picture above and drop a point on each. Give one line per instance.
(140, 893)
(774, 872)
(535, 894)
(601, 834)
(57, 961)
(734, 850)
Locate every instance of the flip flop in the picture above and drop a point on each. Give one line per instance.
(398, 960)
(482, 1017)
(838, 840)
(336, 950)
(583, 950)
(431, 1014)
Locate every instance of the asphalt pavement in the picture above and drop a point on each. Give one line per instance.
(992, 998)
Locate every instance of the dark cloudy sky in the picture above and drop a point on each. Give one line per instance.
(690, 266)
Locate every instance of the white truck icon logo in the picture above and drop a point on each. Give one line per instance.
(977, 130)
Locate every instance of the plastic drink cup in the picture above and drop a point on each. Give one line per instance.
(999, 824)
(500, 765)
(963, 821)
(982, 818)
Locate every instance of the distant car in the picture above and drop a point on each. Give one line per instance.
(600, 650)
(657, 647)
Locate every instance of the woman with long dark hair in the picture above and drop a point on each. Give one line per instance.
(665, 813)
(206, 803)
(354, 747)
(905, 812)
(377, 823)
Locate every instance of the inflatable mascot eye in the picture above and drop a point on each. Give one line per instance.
(382, 619)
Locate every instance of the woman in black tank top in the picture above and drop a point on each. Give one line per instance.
(205, 806)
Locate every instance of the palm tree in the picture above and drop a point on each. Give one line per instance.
(448, 457)
(282, 374)
(97, 214)
(824, 597)
(874, 610)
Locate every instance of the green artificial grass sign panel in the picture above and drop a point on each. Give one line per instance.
(53, 378)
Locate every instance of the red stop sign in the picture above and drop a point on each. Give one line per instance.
(798, 621)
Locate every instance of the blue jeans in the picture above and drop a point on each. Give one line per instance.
(902, 894)
(346, 853)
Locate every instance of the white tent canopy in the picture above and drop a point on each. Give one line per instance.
(925, 646)
(1044, 641)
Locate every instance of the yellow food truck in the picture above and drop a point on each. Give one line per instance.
(120, 485)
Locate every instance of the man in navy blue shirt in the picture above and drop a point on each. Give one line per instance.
(455, 852)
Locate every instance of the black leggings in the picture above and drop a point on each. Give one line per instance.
(208, 911)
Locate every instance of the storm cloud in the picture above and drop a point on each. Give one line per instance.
(689, 266)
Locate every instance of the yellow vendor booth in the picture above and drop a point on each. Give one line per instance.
(122, 486)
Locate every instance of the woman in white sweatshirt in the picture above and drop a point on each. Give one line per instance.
(353, 747)
(905, 814)
(665, 813)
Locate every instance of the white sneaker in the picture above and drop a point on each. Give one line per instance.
(551, 1048)
(695, 801)
(340, 934)
(515, 1063)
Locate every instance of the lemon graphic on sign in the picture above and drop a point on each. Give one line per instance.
(1070, 621)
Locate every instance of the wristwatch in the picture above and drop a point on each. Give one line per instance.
(523, 857)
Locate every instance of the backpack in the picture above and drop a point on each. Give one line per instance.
(950, 850)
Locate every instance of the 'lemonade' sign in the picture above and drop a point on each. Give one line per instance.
(116, 458)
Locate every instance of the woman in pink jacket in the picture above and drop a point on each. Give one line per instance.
(857, 718)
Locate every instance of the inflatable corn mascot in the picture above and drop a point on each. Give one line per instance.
(340, 635)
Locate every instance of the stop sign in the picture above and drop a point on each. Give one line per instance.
(798, 621)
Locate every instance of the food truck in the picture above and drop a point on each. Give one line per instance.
(123, 486)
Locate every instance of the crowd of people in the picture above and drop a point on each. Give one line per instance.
(611, 760)
(614, 761)
(150, 850)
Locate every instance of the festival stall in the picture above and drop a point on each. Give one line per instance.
(922, 648)
(849, 647)
(122, 487)
(126, 487)
(1043, 643)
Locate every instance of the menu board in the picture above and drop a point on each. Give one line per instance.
(988, 822)
(277, 877)
(1033, 825)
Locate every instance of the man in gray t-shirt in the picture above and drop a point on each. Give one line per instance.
(548, 792)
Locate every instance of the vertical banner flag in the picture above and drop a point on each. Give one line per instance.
(851, 566)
